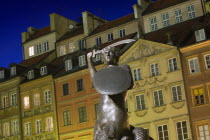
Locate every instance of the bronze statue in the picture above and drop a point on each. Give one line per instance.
(112, 82)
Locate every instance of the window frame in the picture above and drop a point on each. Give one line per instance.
(26, 106)
(47, 96)
(177, 94)
(137, 74)
(182, 129)
(62, 50)
(30, 74)
(82, 60)
(191, 12)
(83, 114)
(203, 125)
(153, 23)
(27, 128)
(38, 48)
(81, 44)
(206, 65)
(180, 17)
(2, 75)
(15, 127)
(38, 124)
(37, 99)
(5, 103)
(155, 72)
(82, 83)
(66, 118)
(110, 37)
(174, 67)
(194, 98)
(13, 102)
(98, 41)
(43, 70)
(49, 124)
(31, 51)
(68, 65)
(71, 46)
(67, 86)
(122, 32)
(159, 101)
(189, 65)
(166, 20)
(163, 134)
(142, 105)
(13, 71)
(45, 46)
(6, 129)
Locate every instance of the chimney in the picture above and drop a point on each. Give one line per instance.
(32, 30)
(25, 36)
(52, 21)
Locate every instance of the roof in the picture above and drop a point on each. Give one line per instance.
(114, 23)
(39, 33)
(72, 33)
(182, 34)
(161, 4)
(35, 60)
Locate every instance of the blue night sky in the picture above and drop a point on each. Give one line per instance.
(17, 15)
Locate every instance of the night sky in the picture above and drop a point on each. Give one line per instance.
(17, 15)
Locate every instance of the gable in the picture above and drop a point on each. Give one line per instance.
(143, 48)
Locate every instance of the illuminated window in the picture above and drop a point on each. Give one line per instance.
(27, 128)
(71, 47)
(5, 102)
(158, 98)
(207, 61)
(38, 48)
(66, 118)
(193, 65)
(153, 23)
(140, 102)
(178, 15)
(191, 11)
(15, 127)
(49, 124)
(165, 19)
(204, 132)
(30, 74)
(163, 132)
(154, 69)
(6, 129)
(31, 51)
(1, 74)
(181, 128)
(198, 96)
(62, 50)
(68, 64)
(36, 99)
(81, 44)
(13, 71)
(43, 70)
(13, 100)
(137, 74)
(110, 37)
(176, 93)
(46, 46)
(80, 86)
(82, 61)
(38, 126)
(26, 102)
(122, 32)
(98, 41)
(47, 96)
(172, 64)
(82, 114)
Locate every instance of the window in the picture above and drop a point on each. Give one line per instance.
(62, 50)
(158, 98)
(47, 96)
(13, 71)
(49, 124)
(2, 74)
(204, 132)
(81, 44)
(80, 86)
(71, 47)
(163, 132)
(191, 11)
(207, 61)
(110, 37)
(153, 24)
(43, 70)
(200, 35)
(66, 118)
(198, 96)
(30, 74)
(26, 102)
(82, 114)
(13, 100)
(27, 128)
(176, 93)
(154, 69)
(6, 129)
(46, 46)
(38, 126)
(193, 65)
(5, 102)
(137, 74)
(140, 102)
(68, 64)
(98, 41)
(122, 32)
(65, 89)
(96, 110)
(172, 64)
(178, 15)
(97, 57)
(36, 99)
(165, 18)
(31, 51)
(38, 48)
(82, 61)
(181, 128)
(15, 127)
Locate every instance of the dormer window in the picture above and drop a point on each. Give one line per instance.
(13, 71)
(68, 65)
(30, 74)
(2, 74)
(43, 70)
(200, 35)
(81, 44)
(82, 60)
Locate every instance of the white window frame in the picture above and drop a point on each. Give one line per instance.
(5, 101)
(137, 74)
(81, 44)
(36, 99)
(62, 50)
(122, 32)
(15, 127)
(49, 124)
(72, 47)
(141, 105)
(68, 64)
(205, 131)
(45, 46)
(31, 74)
(154, 69)
(177, 93)
(43, 70)
(183, 134)
(26, 102)
(97, 57)
(207, 62)
(27, 128)
(165, 19)
(6, 129)
(98, 41)
(194, 68)
(2, 74)
(163, 134)
(153, 23)
(178, 15)
(82, 60)
(38, 48)
(110, 37)
(13, 71)
(13, 99)
(158, 94)
(191, 11)
(47, 96)
(31, 51)
(38, 126)
(200, 35)
(172, 65)
(66, 118)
